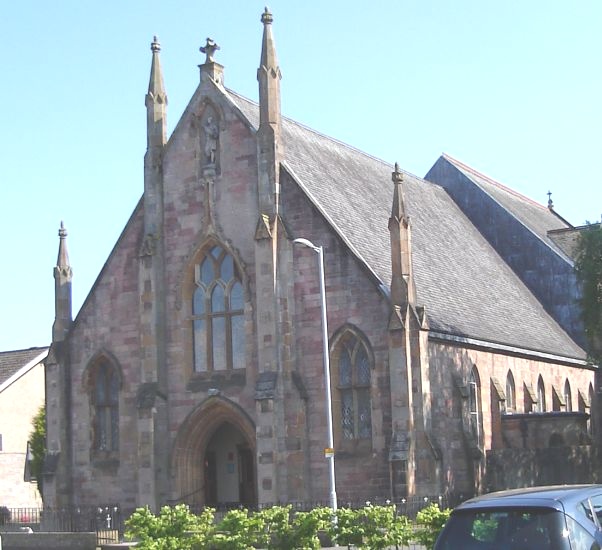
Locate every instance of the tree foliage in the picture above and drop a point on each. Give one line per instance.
(588, 267)
(37, 445)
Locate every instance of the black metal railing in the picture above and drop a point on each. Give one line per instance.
(106, 521)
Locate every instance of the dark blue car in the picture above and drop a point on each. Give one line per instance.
(563, 517)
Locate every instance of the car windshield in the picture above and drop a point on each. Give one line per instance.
(505, 529)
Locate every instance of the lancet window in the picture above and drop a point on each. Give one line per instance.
(218, 314)
(105, 402)
(353, 386)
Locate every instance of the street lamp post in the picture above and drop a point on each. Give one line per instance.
(329, 451)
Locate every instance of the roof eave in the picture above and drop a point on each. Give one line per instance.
(24, 370)
(512, 350)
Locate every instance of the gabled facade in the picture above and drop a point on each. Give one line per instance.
(21, 396)
(193, 372)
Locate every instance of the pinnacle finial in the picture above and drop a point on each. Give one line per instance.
(155, 46)
(397, 176)
(209, 50)
(550, 203)
(266, 16)
(62, 230)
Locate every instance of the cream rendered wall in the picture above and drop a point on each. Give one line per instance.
(19, 403)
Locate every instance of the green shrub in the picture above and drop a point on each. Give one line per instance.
(429, 522)
(371, 527)
(278, 528)
(239, 530)
(347, 530)
(307, 525)
(174, 528)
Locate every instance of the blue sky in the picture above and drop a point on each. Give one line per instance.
(511, 88)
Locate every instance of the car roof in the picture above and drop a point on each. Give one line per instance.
(552, 496)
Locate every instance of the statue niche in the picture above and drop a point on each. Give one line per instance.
(209, 133)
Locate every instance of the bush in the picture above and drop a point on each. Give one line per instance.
(278, 528)
(174, 528)
(239, 530)
(371, 527)
(430, 521)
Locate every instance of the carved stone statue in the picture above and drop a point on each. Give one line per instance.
(211, 136)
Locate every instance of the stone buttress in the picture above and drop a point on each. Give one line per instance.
(57, 462)
(151, 405)
(412, 453)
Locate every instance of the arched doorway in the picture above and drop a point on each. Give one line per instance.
(228, 468)
(214, 456)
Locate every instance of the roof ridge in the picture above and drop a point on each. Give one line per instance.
(333, 139)
(494, 182)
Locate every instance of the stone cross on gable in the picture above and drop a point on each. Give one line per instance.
(209, 50)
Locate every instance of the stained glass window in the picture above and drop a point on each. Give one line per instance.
(353, 385)
(218, 314)
(106, 407)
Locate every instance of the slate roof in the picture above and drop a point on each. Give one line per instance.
(12, 361)
(466, 287)
(538, 218)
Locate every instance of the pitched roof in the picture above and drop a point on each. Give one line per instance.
(538, 218)
(12, 361)
(466, 287)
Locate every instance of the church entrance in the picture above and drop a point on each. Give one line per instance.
(229, 469)
(214, 457)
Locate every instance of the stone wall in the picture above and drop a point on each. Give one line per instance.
(543, 430)
(353, 301)
(48, 541)
(512, 468)
(462, 464)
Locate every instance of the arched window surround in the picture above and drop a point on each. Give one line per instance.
(103, 384)
(510, 393)
(218, 300)
(352, 363)
(474, 404)
(568, 399)
(541, 395)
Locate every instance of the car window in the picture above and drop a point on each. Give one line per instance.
(585, 509)
(597, 506)
(579, 537)
(512, 528)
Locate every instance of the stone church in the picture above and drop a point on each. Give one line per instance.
(194, 370)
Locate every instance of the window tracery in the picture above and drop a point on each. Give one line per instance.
(218, 314)
(353, 387)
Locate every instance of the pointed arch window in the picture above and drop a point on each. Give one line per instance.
(541, 396)
(353, 377)
(510, 393)
(568, 401)
(474, 404)
(218, 314)
(105, 405)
